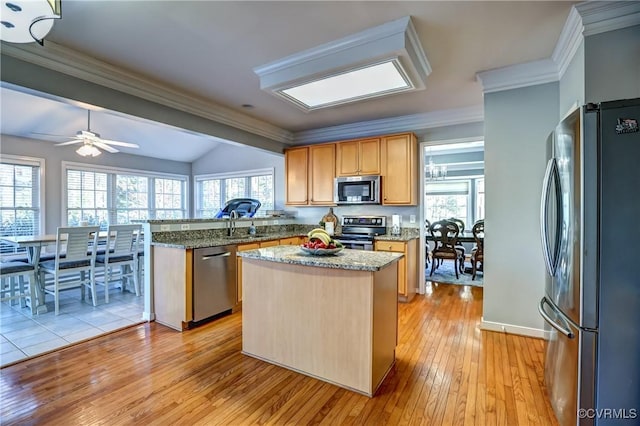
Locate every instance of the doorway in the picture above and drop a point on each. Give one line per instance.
(451, 185)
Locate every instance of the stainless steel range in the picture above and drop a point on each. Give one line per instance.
(358, 231)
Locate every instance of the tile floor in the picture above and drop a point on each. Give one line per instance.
(23, 336)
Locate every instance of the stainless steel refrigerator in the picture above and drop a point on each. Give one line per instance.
(590, 220)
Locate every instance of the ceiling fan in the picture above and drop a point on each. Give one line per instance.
(91, 141)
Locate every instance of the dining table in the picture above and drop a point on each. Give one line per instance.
(465, 237)
(33, 245)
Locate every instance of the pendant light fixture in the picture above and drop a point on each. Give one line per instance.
(26, 21)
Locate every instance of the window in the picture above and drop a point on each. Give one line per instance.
(121, 196)
(213, 191)
(455, 198)
(21, 197)
(479, 199)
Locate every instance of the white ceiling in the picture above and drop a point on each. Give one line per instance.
(208, 49)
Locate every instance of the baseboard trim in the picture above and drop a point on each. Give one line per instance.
(148, 316)
(514, 329)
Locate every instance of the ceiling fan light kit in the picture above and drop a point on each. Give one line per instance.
(91, 141)
(88, 150)
(26, 21)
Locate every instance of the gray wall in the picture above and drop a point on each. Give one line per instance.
(54, 156)
(572, 83)
(517, 123)
(612, 65)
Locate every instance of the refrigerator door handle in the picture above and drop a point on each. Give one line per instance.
(551, 261)
(565, 328)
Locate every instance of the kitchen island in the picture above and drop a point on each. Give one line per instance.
(330, 317)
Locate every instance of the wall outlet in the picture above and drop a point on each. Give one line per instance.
(412, 218)
(275, 222)
(184, 227)
(165, 227)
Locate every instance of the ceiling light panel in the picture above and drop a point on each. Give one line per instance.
(376, 80)
(389, 53)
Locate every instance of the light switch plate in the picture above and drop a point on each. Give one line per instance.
(412, 218)
(184, 227)
(165, 227)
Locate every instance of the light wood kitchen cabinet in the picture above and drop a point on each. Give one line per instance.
(270, 243)
(309, 175)
(172, 289)
(242, 247)
(407, 266)
(322, 171)
(399, 170)
(358, 157)
(292, 241)
(296, 164)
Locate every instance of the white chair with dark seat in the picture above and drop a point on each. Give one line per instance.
(73, 265)
(120, 260)
(13, 285)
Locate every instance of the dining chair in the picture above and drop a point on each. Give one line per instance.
(73, 265)
(120, 259)
(445, 234)
(427, 225)
(13, 286)
(477, 253)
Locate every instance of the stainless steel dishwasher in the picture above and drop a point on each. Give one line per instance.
(214, 281)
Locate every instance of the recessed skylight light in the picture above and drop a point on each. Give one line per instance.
(377, 61)
(375, 80)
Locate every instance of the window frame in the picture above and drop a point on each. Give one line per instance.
(112, 173)
(23, 160)
(247, 174)
(472, 201)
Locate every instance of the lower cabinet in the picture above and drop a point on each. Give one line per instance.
(293, 241)
(407, 273)
(242, 247)
(172, 286)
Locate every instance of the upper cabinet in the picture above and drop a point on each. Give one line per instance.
(322, 166)
(310, 171)
(399, 170)
(296, 164)
(358, 157)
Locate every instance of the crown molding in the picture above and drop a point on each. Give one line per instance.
(603, 16)
(568, 42)
(585, 19)
(405, 123)
(395, 41)
(519, 75)
(64, 60)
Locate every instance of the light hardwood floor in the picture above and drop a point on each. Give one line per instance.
(448, 372)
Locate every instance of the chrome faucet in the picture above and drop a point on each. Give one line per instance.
(231, 225)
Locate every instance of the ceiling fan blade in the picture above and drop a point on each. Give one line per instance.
(118, 143)
(71, 142)
(105, 147)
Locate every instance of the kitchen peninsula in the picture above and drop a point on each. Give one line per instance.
(330, 317)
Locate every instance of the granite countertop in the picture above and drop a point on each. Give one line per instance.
(407, 234)
(200, 242)
(356, 260)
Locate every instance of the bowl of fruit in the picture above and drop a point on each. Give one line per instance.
(320, 243)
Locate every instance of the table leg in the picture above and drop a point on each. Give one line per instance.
(33, 254)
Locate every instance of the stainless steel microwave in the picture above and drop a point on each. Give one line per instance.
(357, 190)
